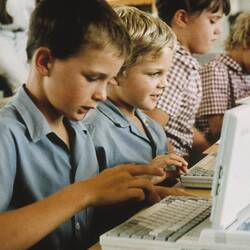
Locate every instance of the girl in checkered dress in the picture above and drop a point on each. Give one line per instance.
(226, 78)
(196, 24)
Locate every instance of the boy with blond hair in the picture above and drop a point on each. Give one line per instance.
(121, 132)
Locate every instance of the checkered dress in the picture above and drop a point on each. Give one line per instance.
(181, 99)
(223, 82)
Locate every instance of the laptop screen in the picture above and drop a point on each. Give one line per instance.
(231, 184)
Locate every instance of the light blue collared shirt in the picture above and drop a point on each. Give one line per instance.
(118, 140)
(36, 163)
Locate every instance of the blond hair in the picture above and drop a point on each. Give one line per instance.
(239, 37)
(148, 34)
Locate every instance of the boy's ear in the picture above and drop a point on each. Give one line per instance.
(43, 61)
(180, 18)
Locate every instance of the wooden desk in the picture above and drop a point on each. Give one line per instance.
(213, 149)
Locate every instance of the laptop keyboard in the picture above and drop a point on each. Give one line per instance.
(205, 167)
(167, 220)
(199, 171)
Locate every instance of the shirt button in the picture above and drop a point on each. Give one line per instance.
(77, 226)
(146, 122)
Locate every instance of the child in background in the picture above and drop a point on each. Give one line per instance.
(121, 132)
(225, 79)
(14, 21)
(49, 178)
(196, 24)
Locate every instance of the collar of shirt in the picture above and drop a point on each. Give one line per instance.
(186, 57)
(117, 117)
(36, 123)
(227, 60)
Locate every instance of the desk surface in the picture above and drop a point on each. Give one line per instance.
(212, 149)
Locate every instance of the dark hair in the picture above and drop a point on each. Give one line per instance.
(5, 18)
(168, 8)
(66, 26)
(232, 18)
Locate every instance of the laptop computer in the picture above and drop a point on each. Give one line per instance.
(220, 224)
(201, 174)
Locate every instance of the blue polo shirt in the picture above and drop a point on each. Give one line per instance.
(118, 140)
(35, 163)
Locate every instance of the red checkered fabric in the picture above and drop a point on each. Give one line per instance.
(223, 82)
(181, 99)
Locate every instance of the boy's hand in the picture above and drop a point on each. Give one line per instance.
(166, 191)
(172, 164)
(122, 183)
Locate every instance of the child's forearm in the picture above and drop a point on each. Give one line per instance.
(31, 223)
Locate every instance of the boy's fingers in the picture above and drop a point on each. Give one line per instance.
(140, 188)
(178, 158)
(144, 170)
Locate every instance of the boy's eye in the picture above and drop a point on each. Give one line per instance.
(154, 73)
(91, 78)
(212, 21)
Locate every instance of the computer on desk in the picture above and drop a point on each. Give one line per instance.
(201, 174)
(227, 228)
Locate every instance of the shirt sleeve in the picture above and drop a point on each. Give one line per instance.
(215, 90)
(7, 167)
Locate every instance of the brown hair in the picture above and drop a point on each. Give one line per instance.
(168, 8)
(5, 18)
(66, 26)
(239, 36)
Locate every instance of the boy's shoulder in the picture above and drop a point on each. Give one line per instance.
(106, 113)
(184, 59)
(10, 120)
(221, 63)
(148, 121)
(102, 116)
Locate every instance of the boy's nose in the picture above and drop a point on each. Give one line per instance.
(163, 82)
(100, 93)
(218, 30)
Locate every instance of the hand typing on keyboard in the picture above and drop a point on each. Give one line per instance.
(172, 164)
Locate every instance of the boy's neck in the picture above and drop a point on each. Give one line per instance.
(125, 108)
(53, 118)
(237, 55)
(182, 39)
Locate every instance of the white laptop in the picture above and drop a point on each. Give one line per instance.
(185, 223)
(201, 174)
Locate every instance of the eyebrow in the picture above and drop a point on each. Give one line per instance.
(214, 15)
